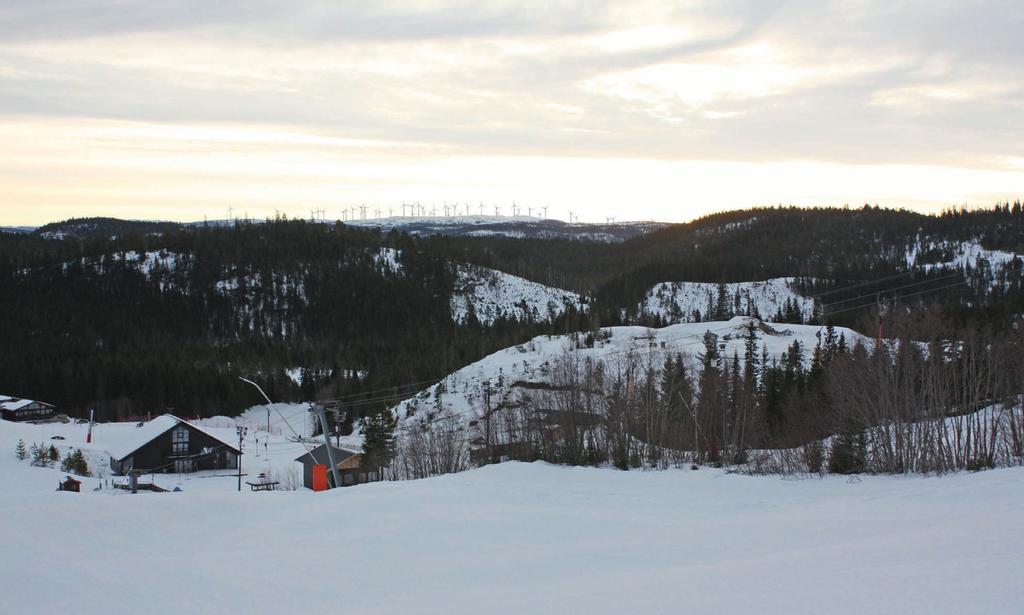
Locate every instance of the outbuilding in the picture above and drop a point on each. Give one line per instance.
(170, 444)
(348, 463)
(70, 484)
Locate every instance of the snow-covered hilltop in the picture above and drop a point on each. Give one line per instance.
(519, 369)
(490, 294)
(695, 301)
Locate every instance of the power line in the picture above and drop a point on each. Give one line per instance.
(922, 292)
(890, 290)
(860, 285)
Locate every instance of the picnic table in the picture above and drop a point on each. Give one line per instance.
(263, 484)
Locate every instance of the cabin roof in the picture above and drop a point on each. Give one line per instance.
(151, 431)
(12, 403)
(319, 455)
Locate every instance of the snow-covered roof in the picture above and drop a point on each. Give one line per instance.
(149, 432)
(15, 404)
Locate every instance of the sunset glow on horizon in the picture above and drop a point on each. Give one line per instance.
(180, 111)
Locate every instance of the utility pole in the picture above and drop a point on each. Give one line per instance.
(241, 429)
(322, 415)
(487, 421)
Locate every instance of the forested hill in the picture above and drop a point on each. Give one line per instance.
(147, 322)
(828, 249)
(155, 317)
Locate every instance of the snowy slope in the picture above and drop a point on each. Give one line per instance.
(990, 268)
(461, 395)
(677, 301)
(492, 294)
(519, 538)
(963, 254)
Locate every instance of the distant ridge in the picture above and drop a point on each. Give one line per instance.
(517, 227)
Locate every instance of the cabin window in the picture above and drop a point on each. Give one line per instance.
(179, 441)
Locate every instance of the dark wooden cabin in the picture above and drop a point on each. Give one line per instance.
(169, 444)
(348, 467)
(14, 409)
(70, 484)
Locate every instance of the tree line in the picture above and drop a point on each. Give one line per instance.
(951, 401)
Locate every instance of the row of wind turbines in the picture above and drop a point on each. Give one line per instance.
(418, 210)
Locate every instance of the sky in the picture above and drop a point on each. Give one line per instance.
(182, 110)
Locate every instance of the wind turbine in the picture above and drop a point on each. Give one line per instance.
(545, 208)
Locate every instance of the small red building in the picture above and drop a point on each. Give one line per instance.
(70, 484)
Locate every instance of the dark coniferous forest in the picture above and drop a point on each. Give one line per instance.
(136, 318)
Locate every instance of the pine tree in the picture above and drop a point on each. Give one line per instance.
(848, 453)
(379, 440)
(75, 463)
(53, 454)
(40, 456)
(20, 452)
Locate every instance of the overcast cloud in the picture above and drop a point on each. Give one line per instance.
(181, 109)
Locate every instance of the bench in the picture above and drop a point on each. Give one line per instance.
(263, 485)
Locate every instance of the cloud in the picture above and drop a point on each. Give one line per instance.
(854, 82)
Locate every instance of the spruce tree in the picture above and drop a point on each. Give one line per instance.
(20, 452)
(379, 440)
(40, 456)
(75, 463)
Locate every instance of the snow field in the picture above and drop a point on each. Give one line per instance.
(531, 538)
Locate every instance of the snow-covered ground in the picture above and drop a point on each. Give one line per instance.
(493, 294)
(677, 301)
(461, 394)
(518, 538)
